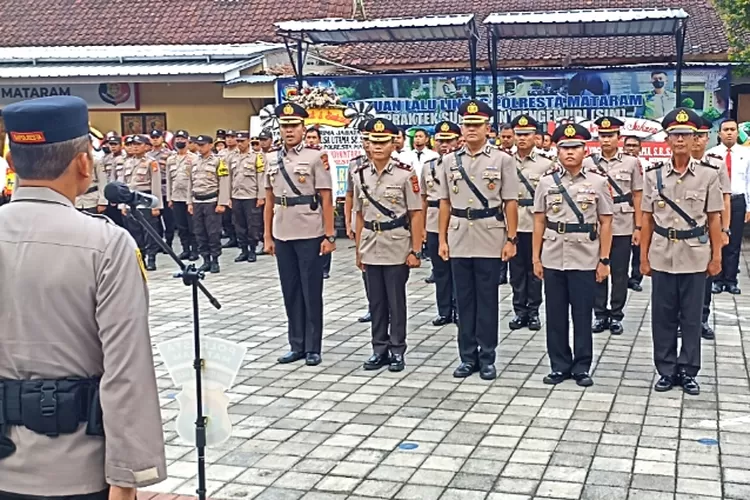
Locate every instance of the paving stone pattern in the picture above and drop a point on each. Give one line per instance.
(334, 431)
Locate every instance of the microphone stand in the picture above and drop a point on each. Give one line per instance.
(191, 277)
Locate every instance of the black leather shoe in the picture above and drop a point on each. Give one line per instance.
(326, 275)
(376, 361)
(313, 359)
(664, 384)
(397, 363)
(518, 322)
(555, 378)
(442, 320)
(185, 255)
(534, 323)
(215, 265)
(291, 357)
(615, 327)
(488, 372)
(430, 279)
(465, 370)
(242, 257)
(717, 287)
(366, 318)
(193, 256)
(635, 286)
(707, 332)
(689, 385)
(251, 257)
(232, 243)
(206, 264)
(151, 263)
(733, 289)
(583, 379)
(600, 324)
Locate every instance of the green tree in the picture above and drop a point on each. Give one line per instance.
(736, 16)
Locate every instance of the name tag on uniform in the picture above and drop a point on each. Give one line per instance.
(491, 167)
(303, 163)
(553, 190)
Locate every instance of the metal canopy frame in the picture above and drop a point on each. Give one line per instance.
(586, 23)
(389, 30)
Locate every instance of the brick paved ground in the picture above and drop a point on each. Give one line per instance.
(334, 432)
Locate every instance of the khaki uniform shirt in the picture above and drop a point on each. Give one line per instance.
(430, 187)
(247, 175)
(590, 192)
(626, 171)
(209, 176)
(95, 193)
(86, 318)
(179, 167)
(308, 170)
(718, 161)
(160, 156)
(354, 164)
(493, 172)
(113, 166)
(532, 167)
(397, 189)
(144, 175)
(697, 192)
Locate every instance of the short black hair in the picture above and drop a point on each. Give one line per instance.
(727, 120)
(315, 129)
(506, 126)
(545, 135)
(631, 137)
(658, 72)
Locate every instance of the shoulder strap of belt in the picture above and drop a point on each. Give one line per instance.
(472, 186)
(525, 182)
(432, 172)
(568, 199)
(597, 161)
(284, 173)
(674, 206)
(383, 210)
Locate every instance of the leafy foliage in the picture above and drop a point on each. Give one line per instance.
(736, 16)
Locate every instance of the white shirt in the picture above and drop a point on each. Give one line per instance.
(739, 176)
(3, 169)
(417, 161)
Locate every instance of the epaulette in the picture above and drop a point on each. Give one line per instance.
(99, 216)
(552, 170)
(403, 166)
(360, 168)
(313, 146)
(625, 153)
(654, 166)
(714, 155)
(709, 164)
(546, 156)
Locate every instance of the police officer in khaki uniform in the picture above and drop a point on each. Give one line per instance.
(572, 242)
(113, 164)
(247, 169)
(478, 223)
(625, 179)
(680, 244)
(530, 166)
(446, 137)
(179, 168)
(227, 218)
(207, 198)
(92, 200)
(389, 238)
(75, 338)
(141, 173)
(299, 231)
(160, 152)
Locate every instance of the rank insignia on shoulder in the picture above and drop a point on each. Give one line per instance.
(552, 170)
(545, 155)
(403, 166)
(654, 166)
(714, 155)
(313, 146)
(222, 170)
(709, 164)
(99, 216)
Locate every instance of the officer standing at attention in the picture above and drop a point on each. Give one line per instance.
(93, 200)
(141, 173)
(179, 168)
(227, 220)
(113, 164)
(475, 182)
(389, 238)
(446, 136)
(299, 230)
(682, 204)
(350, 221)
(572, 241)
(208, 196)
(530, 166)
(75, 349)
(625, 179)
(160, 152)
(248, 196)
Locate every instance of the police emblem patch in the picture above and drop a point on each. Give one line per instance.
(570, 131)
(222, 170)
(523, 121)
(288, 109)
(414, 183)
(682, 117)
(606, 123)
(379, 126)
(445, 127)
(472, 107)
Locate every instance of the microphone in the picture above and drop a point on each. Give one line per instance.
(120, 193)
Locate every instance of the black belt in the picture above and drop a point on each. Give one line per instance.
(286, 201)
(92, 189)
(433, 203)
(477, 213)
(623, 198)
(565, 227)
(204, 197)
(679, 234)
(735, 196)
(374, 225)
(526, 202)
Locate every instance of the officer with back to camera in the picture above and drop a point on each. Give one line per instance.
(77, 383)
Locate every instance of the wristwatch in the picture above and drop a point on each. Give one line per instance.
(727, 231)
(604, 261)
(331, 239)
(513, 240)
(416, 254)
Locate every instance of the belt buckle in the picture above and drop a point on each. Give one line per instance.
(468, 214)
(672, 234)
(48, 399)
(561, 227)
(376, 226)
(284, 201)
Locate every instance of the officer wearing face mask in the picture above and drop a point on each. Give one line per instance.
(179, 167)
(658, 102)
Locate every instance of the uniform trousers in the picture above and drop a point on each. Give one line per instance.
(676, 299)
(476, 289)
(301, 275)
(148, 246)
(102, 495)
(167, 224)
(327, 263)
(730, 254)
(386, 286)
(227, 224)
(635, 265)
(207, 225)
(574, 291)
(619, 257)
(441, 269)
(184, 223)
(707, 297)
(248, 219)
(527, 288)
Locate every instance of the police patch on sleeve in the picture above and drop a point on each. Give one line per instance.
(141, 265)
(222, 170)
(324, 159)
(154, 166)
(259, 165)
(414, 183)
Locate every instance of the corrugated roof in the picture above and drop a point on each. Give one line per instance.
(128, 69)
